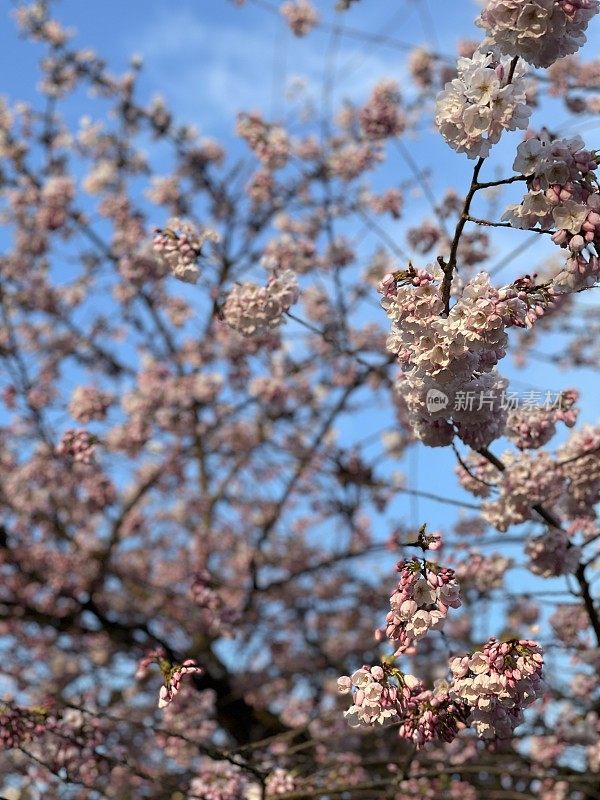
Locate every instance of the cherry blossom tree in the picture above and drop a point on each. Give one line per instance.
(213, 587)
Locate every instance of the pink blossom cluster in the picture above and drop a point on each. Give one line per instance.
(349, 160)
(579, 460)
(424, 237)
(165, 191)
(588, 529)
(482, 573)
(218, 780)
(562, 194)
(180, 246)
(451, 358)
(434, 789)
(539, 31)
(389, 202)
(381, 116)
(384, 693)
(165, 398)
(104, 175)
(486, 98)
(269, 142)
(204, 593)
(80, 445)
(376, 698)
(261, 187)
(538, 298)
(569, 621)
(531, 427)
(477, 475)
(301, 16)
(529, 479)
(476, 422)
(421, 65)
(421, 601)
(33, 19)
(290, 253)
(572, 79)
(280, 781)
(257, 310)
(497, 682)
(89, 403)
(56, 198)
(552, 554)
(568, 482)
(173, 682)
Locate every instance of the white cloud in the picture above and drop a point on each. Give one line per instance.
(208, 71)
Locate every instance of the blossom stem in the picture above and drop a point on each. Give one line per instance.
(449, 266)
(491, 224)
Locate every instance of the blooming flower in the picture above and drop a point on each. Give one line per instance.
(476, 107)
(539, 31)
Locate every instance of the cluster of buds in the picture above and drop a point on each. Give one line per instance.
(432, 715)
(19, 725)
(421, 601)
(172, 673)
(428, 541)
(482, 573)
(180, 246)
(391, 201)
(535, 299)
(80, 445)
(497, 682)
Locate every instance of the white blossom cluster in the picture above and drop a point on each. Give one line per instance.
(559, 174)
(301, 16)
(179, 245)
(451, 358)
(539, 31)
(373, 702)
(552, 554)
(497, 682)
(562, 196)
(257, 310)
(421, 602)
(287, 252)
(486, 98)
